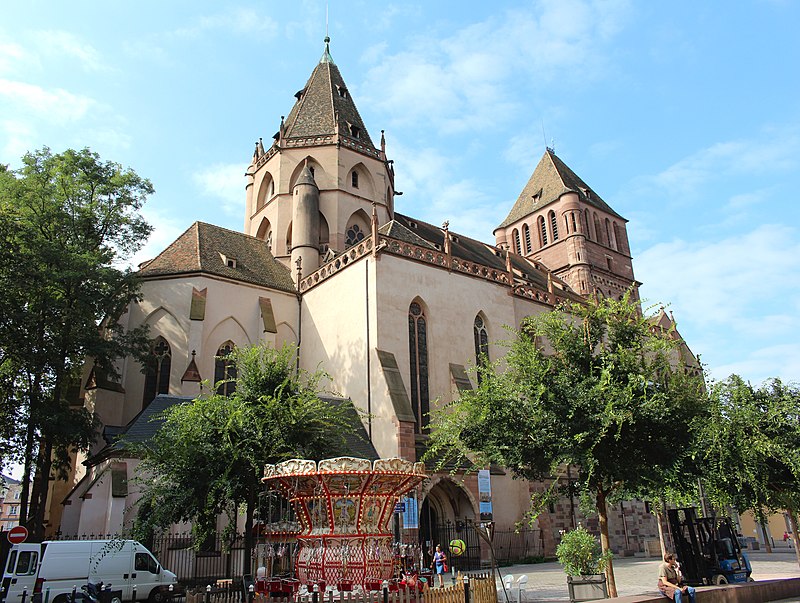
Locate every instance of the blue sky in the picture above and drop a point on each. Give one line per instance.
(684, 116)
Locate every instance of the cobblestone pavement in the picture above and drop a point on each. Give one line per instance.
(634, 575)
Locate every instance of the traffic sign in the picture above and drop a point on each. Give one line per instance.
(17, 534)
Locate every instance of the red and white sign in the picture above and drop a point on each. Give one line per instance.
(17, 534)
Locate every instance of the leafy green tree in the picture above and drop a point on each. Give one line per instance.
(208, 457)
(68, 223)
(591, 385)
(752, 448)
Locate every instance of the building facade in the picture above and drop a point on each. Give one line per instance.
(397, 310)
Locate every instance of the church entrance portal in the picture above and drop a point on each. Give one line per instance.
(446, 514)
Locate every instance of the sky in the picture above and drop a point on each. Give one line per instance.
(682, 115)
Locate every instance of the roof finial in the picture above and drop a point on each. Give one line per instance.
(326, 56)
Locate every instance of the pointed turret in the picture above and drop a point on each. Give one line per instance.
(324, 106)
(305, 221)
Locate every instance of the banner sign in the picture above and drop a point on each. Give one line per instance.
(485, 494)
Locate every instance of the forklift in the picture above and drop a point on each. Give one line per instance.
(707, 548)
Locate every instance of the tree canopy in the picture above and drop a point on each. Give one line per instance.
(594, 386)
(208, 457)
(68, 224)
(751, 448)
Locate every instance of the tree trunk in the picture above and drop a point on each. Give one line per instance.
(661, 541)
(602, 514)
(41, 488)
(795, 536)
(767, 539)
(26, 474)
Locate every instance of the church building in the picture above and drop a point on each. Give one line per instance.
(395, 309)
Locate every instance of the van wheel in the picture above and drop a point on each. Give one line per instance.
(116, 600)
(61, 599)
(719, 579)
(157, 596)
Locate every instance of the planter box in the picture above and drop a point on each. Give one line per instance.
(587, 588)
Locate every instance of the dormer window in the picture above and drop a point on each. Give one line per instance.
(228, 261)
(354, 179)
(299, 94)
(342, 91)
(355, 131)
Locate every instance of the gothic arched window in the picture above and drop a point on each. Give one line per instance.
(481, 343)
(225, 370)
(609, 235)
(156, 370)
(554, 225)
(418, 352)
(526, 235)
(542, 232)
(517, 244)
(588, 224)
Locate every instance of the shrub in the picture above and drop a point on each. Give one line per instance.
(579, 553)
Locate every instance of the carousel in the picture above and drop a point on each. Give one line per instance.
(343, 508)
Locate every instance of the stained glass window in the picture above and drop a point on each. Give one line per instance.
(418, 352)
(481, 343)
(354, 234)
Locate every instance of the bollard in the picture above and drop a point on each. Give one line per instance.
(74, 593)
(466, 589)
(25, 594)
(47, 595)
(208, 594)
(251, 593)
(315, 594)
(385, 591)
(133, 593)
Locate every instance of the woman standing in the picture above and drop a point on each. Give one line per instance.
(439, 565)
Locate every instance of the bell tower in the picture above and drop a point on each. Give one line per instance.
(563, 224)
(321, 158)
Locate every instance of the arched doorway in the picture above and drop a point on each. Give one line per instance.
(448, 512)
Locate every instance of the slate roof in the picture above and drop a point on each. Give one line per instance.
(201, 247)
(144, 426)
(325, 106)
(412, 230)
(551, 179)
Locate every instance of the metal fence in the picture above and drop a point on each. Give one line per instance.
(223, 559)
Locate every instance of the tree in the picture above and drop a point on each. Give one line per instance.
(68, 223)
(208, 457)
(593, 386)
(752, 448)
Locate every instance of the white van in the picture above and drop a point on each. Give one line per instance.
(51, 569)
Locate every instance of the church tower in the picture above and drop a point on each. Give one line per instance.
(311, 193)
(563, 224)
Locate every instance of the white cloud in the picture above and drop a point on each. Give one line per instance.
(479, 76)
(239, 21)
(55, 105)
(224, 182)
(736, 300)
(19, 138)
(56, 43)
(12, 57)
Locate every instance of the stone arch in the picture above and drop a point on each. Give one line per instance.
(588, 224)
(163, 322)
(319, 173)
(285, 334)
(444, 500)
(362, 183)
(517, 242)
(610, 235)
(264, 232)
(324, 231)
(229, 329)
(358, 227)
(598, 234)
(289, 238)
(266, 190)
(541, 230)
(526, 237)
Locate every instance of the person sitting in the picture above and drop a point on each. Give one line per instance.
(670, 581)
